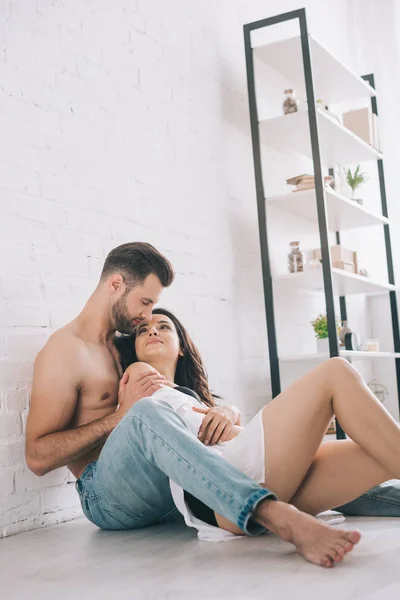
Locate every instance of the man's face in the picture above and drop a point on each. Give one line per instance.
(135, 305)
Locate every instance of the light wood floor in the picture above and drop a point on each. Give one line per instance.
(77, 561)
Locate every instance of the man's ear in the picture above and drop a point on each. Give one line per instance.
(116, 283)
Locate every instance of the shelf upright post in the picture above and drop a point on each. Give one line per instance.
(342, 299)
(319, 188)
(262, 216)
(388, 246)
(320, 195)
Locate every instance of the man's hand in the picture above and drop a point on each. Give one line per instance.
(217, 424)
(134, 388)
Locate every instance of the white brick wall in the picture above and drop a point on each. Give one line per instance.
(119, 121)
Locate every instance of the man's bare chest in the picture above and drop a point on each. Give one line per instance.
(98, 393)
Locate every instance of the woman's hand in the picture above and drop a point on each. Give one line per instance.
(217, 425)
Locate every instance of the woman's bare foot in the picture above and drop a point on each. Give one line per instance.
(318, 543)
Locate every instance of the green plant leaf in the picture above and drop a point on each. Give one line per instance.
(320, 325)
(355, 179)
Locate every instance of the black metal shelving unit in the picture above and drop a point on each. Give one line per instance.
(300, 16)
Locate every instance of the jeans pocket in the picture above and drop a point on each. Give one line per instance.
(111, 516)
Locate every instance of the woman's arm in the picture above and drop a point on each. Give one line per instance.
(218, 425)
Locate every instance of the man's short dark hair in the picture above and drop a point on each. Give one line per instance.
(135, 261)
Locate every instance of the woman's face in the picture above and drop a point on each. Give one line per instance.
(157, 341)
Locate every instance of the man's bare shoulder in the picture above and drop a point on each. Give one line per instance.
(65, 344)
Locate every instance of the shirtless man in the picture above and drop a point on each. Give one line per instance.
(123, 446)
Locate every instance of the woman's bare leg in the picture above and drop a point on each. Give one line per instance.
(296, 421)
(340, 472)
(294, 425)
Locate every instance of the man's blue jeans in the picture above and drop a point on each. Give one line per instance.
(381, 501)
(128, 486)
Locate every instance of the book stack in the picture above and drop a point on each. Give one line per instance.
(341, 258)
(306, 182)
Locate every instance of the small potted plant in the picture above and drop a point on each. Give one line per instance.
(320, 325)
(355, 180)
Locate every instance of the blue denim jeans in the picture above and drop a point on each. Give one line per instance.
(381, 501)
(128, 486)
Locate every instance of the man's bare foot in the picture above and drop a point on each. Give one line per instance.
(317, 542)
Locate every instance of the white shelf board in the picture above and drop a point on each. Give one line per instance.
(329, 437)
(342, 212)
(344, 284)
(353, 354)
(338, 144)
(333, 81)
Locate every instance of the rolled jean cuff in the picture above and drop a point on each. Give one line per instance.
(245, 521)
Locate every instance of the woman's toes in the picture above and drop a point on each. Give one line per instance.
(334, 556)
(340, 550)
(342, 547)
(353, 536)
(338, 558)
(348, 547)
(327, 562)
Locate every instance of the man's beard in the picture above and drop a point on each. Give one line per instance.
(122, 320)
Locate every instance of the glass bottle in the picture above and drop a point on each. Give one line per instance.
(295, 258)
(290, 104)
(337, 179)
(342, 332)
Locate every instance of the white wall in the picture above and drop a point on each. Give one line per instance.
(128, 120)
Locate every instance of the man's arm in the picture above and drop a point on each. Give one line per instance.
(56, 383)
(57, 380)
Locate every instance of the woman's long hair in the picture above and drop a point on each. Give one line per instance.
(190, 371)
